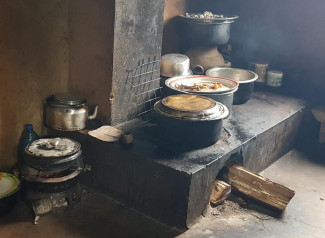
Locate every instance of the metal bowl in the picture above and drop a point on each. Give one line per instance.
(173, 65)
(245, 78)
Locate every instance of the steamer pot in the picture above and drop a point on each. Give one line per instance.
(190, 120)
(67, 112)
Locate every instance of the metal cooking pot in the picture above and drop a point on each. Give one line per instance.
(205, 32)
(225, 97)
(191, 120)
(245, 78)
(172, 65)
(67, 112)
(53, 153)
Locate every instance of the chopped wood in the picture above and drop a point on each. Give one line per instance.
(220, 192)
(259, 188)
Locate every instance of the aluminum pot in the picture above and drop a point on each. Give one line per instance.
(245, 78)
(225, 96)
(67, 112)
(190, 120)
(172, 65)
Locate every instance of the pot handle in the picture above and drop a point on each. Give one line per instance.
(227, 64)
(198, 69)
(93, 116)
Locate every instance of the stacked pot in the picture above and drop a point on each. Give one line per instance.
(50, 174)
(191, 118)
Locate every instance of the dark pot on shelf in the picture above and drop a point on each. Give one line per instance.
(245, 78)
(190, 120)
(205, 32)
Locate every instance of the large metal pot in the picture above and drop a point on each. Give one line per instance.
(205, 32)
(191, 120)
(245, 78)
(67, 112)
(225, 96)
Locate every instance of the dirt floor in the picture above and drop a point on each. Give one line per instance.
(100, 216)
(304, 216)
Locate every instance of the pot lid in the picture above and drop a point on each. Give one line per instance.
(9, 184)
(52, 147)
(69, 98)
(191, 107)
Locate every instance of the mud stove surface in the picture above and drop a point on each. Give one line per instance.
(173, 184)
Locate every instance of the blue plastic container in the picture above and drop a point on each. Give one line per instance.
(27, 137)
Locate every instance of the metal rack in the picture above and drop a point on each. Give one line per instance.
(145, 86)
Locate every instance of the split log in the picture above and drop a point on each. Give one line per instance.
(260, 189)
(220, 192)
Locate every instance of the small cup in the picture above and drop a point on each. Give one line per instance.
(260, 69)
(274, 78)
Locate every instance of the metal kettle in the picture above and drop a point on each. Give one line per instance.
(67, 112)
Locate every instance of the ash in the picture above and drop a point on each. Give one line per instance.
(228, 208)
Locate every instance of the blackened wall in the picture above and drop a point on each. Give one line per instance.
(289, 34)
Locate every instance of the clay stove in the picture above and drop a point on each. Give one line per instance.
(50, 175)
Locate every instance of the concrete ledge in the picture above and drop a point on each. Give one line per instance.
(173, 184)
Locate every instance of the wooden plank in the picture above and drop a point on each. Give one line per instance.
(261, 189)
(220, 192)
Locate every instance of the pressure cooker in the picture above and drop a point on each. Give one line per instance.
(67, 112)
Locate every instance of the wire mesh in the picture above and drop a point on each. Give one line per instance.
(145, 86)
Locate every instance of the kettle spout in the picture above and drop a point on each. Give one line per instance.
(93, 116)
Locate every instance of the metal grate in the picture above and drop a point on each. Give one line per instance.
(145, 86)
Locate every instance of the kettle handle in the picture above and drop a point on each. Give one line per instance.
(93, 116)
